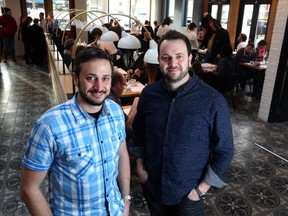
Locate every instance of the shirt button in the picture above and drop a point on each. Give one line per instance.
(105, 161)
(101, 142)
(79, 154)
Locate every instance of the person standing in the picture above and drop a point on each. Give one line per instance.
(26, 39)
(8, 28)
(81, 146)
(42, 21)
(37, 43)
(192, 36)
(214, 38)
(184, 128)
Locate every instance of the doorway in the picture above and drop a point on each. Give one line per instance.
(253, 19)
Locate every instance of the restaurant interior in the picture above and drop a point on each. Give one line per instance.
(258, 175)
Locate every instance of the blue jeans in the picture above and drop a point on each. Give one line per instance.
(186, 207)
(8, 46)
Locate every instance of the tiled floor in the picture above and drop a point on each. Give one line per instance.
(258, 179)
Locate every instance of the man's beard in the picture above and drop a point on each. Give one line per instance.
(90, 101)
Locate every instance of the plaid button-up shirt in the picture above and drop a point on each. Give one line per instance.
(81, 157)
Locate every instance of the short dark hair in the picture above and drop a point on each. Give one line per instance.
(262, 43)
(69, 43)
(251, 44)
(96, 31)
(90, 53)
(167, 21)
(191, 26)
(175, 35)
(243, 36)
(117, 77)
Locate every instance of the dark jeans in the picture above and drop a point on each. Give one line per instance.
(8, 46)
(185, 208)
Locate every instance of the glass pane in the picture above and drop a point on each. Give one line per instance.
(262, 22)
(225, 15)
(247, 19)
(122, 7)
(34, 7)
(97, 5)
(214, 11)
(189, 11)
(171, 9)
(60, 12)
(141, 10)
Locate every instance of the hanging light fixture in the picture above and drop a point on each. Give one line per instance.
(128, 41)
(151, 55)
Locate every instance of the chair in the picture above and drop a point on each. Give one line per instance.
(223, 84)
(228, 85)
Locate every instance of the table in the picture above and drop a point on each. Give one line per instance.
(126, 109)
(255, 66)
(133, 90)
(207, 67)
(258, 76)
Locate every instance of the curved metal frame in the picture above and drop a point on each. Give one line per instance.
(112, 14)
(79, 14)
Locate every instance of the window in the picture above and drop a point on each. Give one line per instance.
(214, 11)
(262, 22)
(34, 7)
(60, 13)
(247, 19)
(140, 9)
(171, 9)
(224, 15)
(219, 10)
(189, 12)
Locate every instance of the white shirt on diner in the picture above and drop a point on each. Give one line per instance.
(192, 36)
(162, 30)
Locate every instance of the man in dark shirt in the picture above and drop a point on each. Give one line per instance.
(37, 43)
(247, 55)
(184, 128)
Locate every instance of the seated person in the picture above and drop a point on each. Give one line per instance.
(67, 55)
(241, 41)
(109, 47)
(261, 50)
(117, 87)
(221, 79)
(245, 55)
(144, 72)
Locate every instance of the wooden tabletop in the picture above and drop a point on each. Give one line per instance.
(127, 109)
(254, 66)
(132, 90)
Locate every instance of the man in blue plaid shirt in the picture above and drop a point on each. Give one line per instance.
(81, 146)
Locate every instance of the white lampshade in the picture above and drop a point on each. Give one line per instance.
(128, 41)
(109, 36)
(151, 55)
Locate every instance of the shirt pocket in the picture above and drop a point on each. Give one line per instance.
(80, 161)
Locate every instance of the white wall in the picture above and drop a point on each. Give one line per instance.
(273, 61)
